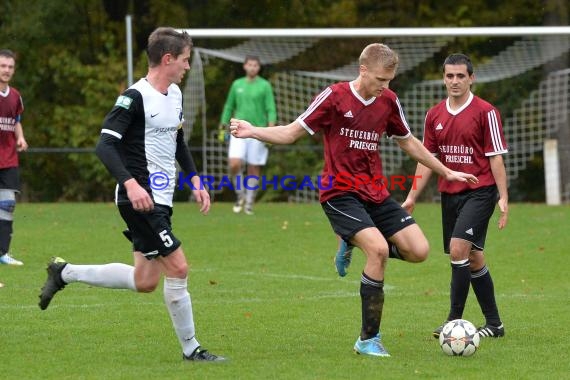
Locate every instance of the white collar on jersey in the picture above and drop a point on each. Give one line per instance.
(6, 92)
(355, 93)
(465, 105)
(154, 88)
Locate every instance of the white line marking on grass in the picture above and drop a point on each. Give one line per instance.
(290, 276)
(295, 277)
(285, 299)
(76, 306)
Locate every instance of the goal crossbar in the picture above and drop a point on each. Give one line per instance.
(375, 32)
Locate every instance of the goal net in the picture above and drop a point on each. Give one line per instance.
(526, 75)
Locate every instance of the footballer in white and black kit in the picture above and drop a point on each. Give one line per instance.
(142, 137)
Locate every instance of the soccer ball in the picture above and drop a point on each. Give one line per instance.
(459, 338)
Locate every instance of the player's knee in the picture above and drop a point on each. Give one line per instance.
(179, 271)
(476, 261)
(455, 256)
(420, 252)
(7, 203)
(423, 250)
(377, 253)
(413, 250)
(235, 167)
(146, 285)
(146, 288)
(458, 250)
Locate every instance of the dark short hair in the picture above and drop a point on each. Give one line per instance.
(166, 40)
(7, 53)
(250, 57)
(459, 59)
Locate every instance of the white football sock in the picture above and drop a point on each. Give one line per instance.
(250, 192)
(179, 307)
(238, 185)
(114, 276)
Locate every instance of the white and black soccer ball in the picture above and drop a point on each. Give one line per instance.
(459, 338)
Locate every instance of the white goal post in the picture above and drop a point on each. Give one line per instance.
(538, 117)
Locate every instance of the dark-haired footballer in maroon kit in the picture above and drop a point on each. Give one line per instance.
(466, 134)
(352, 118)
(464, 139)
(12, 141)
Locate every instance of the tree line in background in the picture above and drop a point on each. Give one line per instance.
(72, 65)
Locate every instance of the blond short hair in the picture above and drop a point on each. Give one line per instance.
(379, 54)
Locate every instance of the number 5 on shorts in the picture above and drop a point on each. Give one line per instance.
(166, 238)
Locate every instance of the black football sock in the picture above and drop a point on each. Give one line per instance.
(5, 236)
(393, 252)
(460, 280)
(484, 289)
(372, 296)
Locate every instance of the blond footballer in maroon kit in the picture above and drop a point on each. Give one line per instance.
(352, 117)
(351, 124)
(465, 133)
(12, 141)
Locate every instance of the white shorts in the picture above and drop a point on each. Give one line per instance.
(252, 151)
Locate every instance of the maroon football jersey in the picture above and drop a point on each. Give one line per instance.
(352, 128)
(11, 107)
(464, 139)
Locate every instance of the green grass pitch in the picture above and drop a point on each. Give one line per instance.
(266, 295)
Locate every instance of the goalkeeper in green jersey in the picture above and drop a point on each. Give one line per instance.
(250, 98)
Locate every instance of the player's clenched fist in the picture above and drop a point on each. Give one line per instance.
(241, 128)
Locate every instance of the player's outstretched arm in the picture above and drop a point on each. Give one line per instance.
(282, 134)
(413, 147)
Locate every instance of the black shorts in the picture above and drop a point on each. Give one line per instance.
(466, 215)
(10, 179)
(151, 232)
(348, 215)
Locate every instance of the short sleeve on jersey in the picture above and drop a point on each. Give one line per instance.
(494, 139)
(397, 125)
(317, 115)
